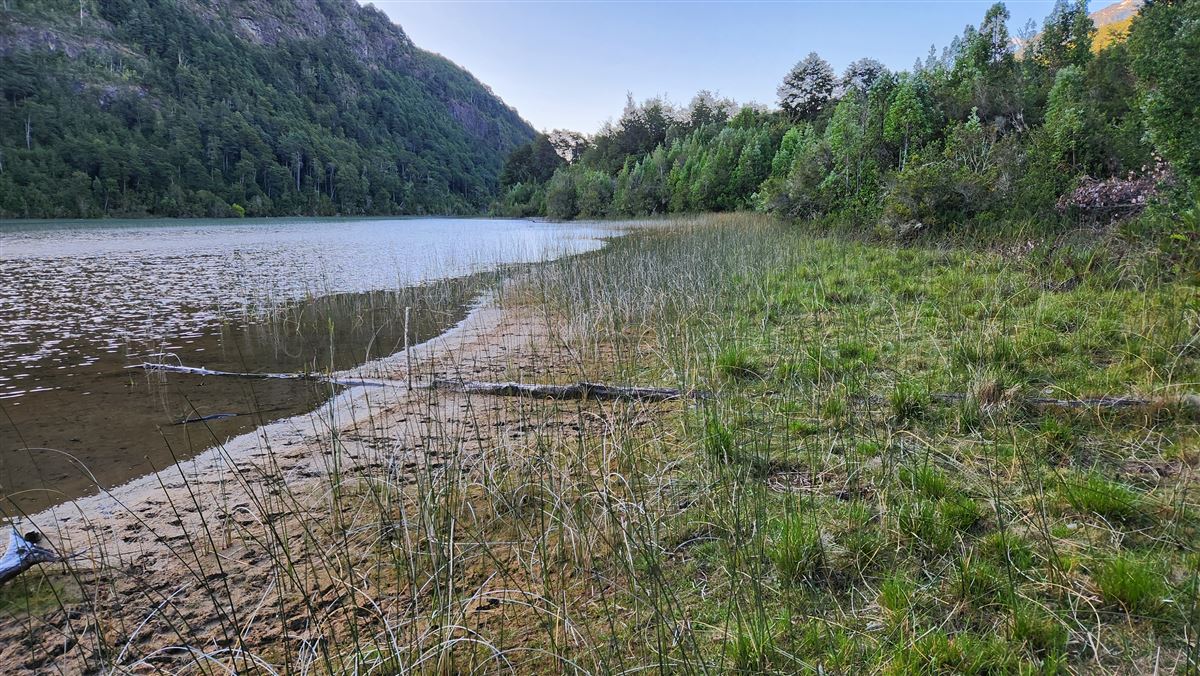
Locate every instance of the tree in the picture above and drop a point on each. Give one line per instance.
(991, 46)
(807, 88)
(1066, 116)
(1066, 37)
(570, 145)
(707, 108)
(906, 121)
(561, 196)
(534, 162)
(1164, 41)
(862, 74)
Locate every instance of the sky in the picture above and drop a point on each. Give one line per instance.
(569, 64)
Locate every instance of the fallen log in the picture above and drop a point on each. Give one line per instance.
(601, 392)
(312, 377)
(23, 553)
(582, 390)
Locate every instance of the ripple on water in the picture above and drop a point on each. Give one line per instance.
(81, 301)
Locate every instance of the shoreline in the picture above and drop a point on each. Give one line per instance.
(154, 547)
(343, 411)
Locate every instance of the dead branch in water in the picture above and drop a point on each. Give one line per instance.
(312, 377)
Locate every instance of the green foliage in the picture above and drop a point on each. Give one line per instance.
(907, 123)
(909, 402)
(594, 193)
(1038, 630)
(1066, 37)
(737, 362)
(531, 163)
(562, 199)
(171, 111)
(1163, 42)
(976, 137)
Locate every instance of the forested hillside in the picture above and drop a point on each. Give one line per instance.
(974, 135)
(231, 107)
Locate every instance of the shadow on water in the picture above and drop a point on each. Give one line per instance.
(106, 423)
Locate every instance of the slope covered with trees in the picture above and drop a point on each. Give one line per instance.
(973, 135)
(225, 107)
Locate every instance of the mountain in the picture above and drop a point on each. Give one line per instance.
(1112, 25)
(225, 107)
(1112, 22)
(1116, 12)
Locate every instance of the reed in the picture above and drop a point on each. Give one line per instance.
(819, 510)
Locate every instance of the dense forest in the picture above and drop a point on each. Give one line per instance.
(1055, 127)
(237, 107)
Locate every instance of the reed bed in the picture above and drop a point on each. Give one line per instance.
(822, 507)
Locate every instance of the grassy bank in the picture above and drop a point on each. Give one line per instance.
(830, 506)
(867, 484)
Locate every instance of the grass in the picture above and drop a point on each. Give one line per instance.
(865, 487)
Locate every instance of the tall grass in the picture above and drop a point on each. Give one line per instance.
(818, 508)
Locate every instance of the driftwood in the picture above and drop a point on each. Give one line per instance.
(312, 377)
(601, 392)
(583, 390)
(594, 391)
(24, 552)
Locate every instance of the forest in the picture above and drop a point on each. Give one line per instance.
(1055, 128)
(130, 108)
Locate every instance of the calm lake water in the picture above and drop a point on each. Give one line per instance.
(82, 301)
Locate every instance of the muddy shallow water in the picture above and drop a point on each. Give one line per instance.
(81, 302)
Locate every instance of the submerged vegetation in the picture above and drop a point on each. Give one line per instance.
(980, 137)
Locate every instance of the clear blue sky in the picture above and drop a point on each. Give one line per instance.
(569, 64)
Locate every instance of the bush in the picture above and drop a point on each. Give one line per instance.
(562, 199)
(522, 201)
(595, 193)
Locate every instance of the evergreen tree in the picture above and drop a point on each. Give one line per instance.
(807, 88)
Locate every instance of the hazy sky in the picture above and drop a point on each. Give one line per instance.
(569, 64)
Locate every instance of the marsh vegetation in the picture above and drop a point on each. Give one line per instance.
(824, 508)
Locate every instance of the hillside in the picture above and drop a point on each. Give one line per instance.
(1113, 22)
(219, 107)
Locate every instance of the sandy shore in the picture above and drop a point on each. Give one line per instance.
(160, 548)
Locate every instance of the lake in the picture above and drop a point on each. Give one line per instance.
(83, 301)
